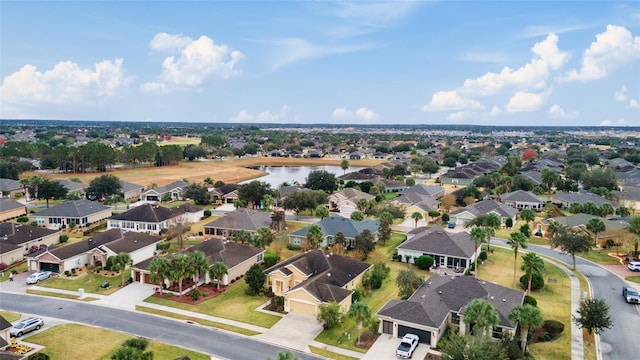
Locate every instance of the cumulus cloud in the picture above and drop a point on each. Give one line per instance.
(65, 83)
(609, 122)
(362, 113)
(525, 101)
(266, 116)
(450, 101)
(195, 62)
(621, 95)
(633, 103)
(533, 75)
(612, 48)
(556, 112)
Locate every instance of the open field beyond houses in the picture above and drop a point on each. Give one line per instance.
(228, 171)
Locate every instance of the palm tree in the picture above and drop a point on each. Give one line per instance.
(322, 212)
(634, 228)
(159, 269)
(199, 264)
(531, 263)
(209, 181)
(416, 216)
(264, 235)
(477, 235)
(528, 317)
(482, 314)
(268, 201)
(362, 313)
(179, 269)
(554, 228)
(344, 165)
(35, 180)
(527, 215)
(517, 240)
(489, 222)
(217, 271)
(314, 236)
(123, 259)
(362, 204)
(25, 183)
(596, 226)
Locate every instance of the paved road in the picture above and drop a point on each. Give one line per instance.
(621, 341)
(218, 343)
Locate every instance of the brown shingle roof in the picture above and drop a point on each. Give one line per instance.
(230, 253)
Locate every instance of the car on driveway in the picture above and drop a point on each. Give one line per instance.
(407, 346)
(630, 295)
(37, 277)
(634, 266)
(25, 326)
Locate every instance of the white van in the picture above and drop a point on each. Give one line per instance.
(634, 266)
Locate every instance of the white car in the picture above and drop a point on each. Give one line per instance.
(407, 346)
(634, 266)
(37, 277)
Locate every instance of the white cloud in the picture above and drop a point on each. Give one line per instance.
(294, 49)
(458, 116)
(556, 112)
(535, 31)
(263, 117)
(612, 48)
(197, 62)
(495, 111)
(362, 113)
(451, 101)
(153, 87)
(524, 102)
(633, 103)
(621, 95)
(65, 83)
(609, 122)
(533, 75)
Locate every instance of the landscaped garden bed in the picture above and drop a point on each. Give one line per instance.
(205, 292)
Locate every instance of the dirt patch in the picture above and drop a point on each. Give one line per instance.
(206, 292)
(366, 340)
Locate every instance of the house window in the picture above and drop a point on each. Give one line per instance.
(295, 241)
(496, 333)
(455, 318)
(260, 257)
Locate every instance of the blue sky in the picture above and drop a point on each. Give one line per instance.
(409, 62)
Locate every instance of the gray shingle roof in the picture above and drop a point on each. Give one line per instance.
(242, 219)
(8, 204)
(432, 302)
(76, 208)
(522, 196)
(72, 186)
(230, 253)
(335, 224)
(435, 240)
(580, 197)
(10, 184)
(17, 234)
(487, 206)
(422, 189)
(155, 213)
(127, 186)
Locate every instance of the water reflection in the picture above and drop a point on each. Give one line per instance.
(295, 174)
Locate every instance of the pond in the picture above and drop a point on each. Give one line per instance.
(292, 174)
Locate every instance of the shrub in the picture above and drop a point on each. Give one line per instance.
(34, 223)
(277, 304)
(168, 294)
(482, 256)
(66, 273)
(357, 294)
(63, 238)
(553, 327)
(23, 219)
(294, 247)
(73, 271)
(206, 294)
(163, 246)
(513, 348)
(38, 356)
(423, 262)
(207, 213)
(98, 268)
(3, 266)
(195, 295)
(270, 259)
(537, 281)
(136, 343)
(445, 217)
(110, 263)
(530, 300)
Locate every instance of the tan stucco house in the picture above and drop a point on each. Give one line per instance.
(11, 209)
(316, 277)
(17, 241)
(154, 218)
(80, 212)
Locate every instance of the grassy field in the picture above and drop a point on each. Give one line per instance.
(554, 300)
(329, 355)
(635, 279)
(232, 304)
(89, 282)
(73, 341)
(228, 171)
(10, 316)
(59, 295)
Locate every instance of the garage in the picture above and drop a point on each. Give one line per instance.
(424, 335)
(49, 267)
(302, 308)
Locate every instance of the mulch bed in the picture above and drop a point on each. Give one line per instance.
(366, 340)
(186, 299)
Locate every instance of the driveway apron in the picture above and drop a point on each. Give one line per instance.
(293, 331)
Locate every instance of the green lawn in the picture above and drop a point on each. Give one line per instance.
(74, 341)
(232, 304)
(20, 268)
(59, 295)
(10, 316)
(600, 256)
(635, 279)
(89, 282)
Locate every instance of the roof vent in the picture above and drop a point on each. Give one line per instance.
(422, 297)
(328, 274)
(484, 282)
(504, 300)
(440, 292)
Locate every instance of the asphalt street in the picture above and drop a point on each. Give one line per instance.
(220, 344)
(621, 340)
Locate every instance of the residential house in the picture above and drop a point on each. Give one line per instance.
(316, 277)
(74, 187)
(614, 228)
(155, 218)
(242, 219)
(226, 194)
(565, 199)
(95, 251)
(10, 188)
(455, 251)
(171, 191)
(470, 212)
(356, 155)
(629, 199)
(345, 201)
(440, 304)
(5, 339)
(521, 199)
(414, 202)
(334, 224)
(130, 191)
(79, 212)
(11, 209)
(432, 191)
(26, 238)
(391, 185)
(464, 175)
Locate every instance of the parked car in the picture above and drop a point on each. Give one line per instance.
(37, 277)
(451, 225)
(407, 346)
(630, 295)
(26, 326)
(634, 266)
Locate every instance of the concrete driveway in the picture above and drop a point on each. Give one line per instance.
(129, 296)
(385, 349)
(293, 331)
